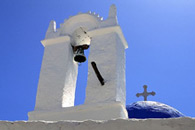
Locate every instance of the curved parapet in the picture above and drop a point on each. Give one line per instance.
(89, 20)
(81, 20)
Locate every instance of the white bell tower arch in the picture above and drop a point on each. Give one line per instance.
(57, 82)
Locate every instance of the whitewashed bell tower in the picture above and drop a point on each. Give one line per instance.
(57, 82)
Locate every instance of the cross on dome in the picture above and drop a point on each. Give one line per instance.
(145, 94)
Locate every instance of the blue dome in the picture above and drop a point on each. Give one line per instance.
(151, 109)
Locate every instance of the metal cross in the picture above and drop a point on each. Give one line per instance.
(145, 94)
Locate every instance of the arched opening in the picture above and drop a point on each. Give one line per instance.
(81, 81)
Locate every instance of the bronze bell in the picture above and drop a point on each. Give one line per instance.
(79, 55)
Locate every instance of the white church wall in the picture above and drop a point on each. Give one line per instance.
(119, 124)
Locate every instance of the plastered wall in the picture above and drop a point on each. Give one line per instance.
(119, 124)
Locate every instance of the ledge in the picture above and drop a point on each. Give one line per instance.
(106, 30)
(118, 124)
(55, 40)
(101, 111)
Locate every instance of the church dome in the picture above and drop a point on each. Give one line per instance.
(151, 109)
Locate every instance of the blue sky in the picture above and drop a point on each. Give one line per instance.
(161, 53)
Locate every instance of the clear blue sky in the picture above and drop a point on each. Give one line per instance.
(161, 53)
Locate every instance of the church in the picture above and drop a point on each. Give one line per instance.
(105, 103)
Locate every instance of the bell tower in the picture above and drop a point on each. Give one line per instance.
(64, 48)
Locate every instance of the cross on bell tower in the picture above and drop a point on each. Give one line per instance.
(145, 94)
